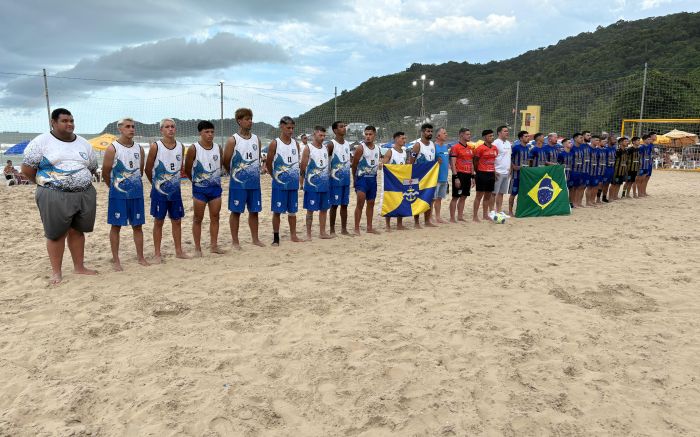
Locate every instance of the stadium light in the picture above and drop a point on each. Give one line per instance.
(431, 82)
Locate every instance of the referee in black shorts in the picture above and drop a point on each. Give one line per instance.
(485, 164)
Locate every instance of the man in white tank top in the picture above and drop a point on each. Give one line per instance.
(242, 156)
(397, 155)
(283, 165)
(122, 171)
(315, 176)
(203, 168)
(339, 154)
(365, 163)
(424, 151)
(166, 174)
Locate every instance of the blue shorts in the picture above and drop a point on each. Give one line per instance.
(367, 185)
(207, 194)
(285, 201)
(643, 172)
(173, 208)
(122, 212)
(514, 185)
(578, 179)
(593, 181)
(649, 171)
(609, 175)
(569, 180)
(340, 195)
(315, 201)
(239, 199)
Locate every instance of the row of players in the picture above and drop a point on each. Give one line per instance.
(595, 167)
(62, 164)
(323, 171)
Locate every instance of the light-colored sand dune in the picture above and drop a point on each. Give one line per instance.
(580, 325)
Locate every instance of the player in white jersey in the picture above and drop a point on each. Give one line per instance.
(122, 170)
(365, 163)
(242, 156)
(283, 165)
(62, 164)
(424, 151)
(339, 153)
(315, 181)
(203, 168)
(163, 170)
(397, 155)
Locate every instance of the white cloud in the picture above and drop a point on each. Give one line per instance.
(468, 24)
(650, 4)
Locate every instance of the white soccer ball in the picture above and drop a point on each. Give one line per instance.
(499, 218)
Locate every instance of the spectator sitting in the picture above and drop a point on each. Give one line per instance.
(13, 175)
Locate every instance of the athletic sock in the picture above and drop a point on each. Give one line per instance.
(276, 238)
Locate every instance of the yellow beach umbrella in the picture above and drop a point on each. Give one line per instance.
(102, 142)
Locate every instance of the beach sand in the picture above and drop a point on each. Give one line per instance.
(587, 324)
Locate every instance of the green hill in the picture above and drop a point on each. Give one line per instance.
(187, 129)
(588, 81)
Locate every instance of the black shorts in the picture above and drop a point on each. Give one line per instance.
(619, 180)
(631, 176)
(465, 184)
(485, 181)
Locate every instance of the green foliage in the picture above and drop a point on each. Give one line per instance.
(591, 80)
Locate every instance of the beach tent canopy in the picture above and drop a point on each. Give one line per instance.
(17, 149)
(102, 142)
(677, 138)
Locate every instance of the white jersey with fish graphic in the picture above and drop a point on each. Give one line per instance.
(369, 161)
(426, 153)
(206, 168)
(317, 178)
(245, 163)
(166, 172)
(125, 178)
(340, 164)
(61, 165)
(285, 166)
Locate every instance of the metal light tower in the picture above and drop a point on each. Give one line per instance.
(422, 94)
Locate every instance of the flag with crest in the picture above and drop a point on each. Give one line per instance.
(409, 189)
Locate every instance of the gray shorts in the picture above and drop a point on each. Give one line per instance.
(501, 185)
(441, 190)
(62, 210)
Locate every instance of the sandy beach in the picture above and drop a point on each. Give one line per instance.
(581, 325)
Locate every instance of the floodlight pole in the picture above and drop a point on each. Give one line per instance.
(644, 91)
(46, 93)
(422, 94)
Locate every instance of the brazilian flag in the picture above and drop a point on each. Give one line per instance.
(542, 192)
(409, 188)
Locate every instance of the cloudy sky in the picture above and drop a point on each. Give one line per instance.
(153, 58)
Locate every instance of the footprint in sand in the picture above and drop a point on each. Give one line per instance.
(223, 427)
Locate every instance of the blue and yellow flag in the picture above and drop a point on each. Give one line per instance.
(542, 192)
(409, 189)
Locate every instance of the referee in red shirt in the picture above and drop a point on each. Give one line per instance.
(485, 164)
(462, 165)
